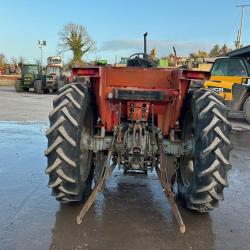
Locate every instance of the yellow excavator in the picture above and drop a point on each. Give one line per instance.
(230, 78)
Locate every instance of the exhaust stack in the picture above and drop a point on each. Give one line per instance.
(145, 42)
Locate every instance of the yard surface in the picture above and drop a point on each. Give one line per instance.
(131, 213)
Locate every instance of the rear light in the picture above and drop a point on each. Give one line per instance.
(173, 92)
(196, 75)
(86, 72)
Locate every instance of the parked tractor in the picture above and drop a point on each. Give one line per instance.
(52, 80)
(29, 73)
(139, 118)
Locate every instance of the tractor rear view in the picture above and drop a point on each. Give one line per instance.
(139, 118)
(53, 79)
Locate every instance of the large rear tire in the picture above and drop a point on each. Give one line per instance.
(70, 166)
(38, 87)
(18, 86)
(202, 175)
(26, 89)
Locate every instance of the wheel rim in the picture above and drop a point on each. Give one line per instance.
(86, 133)
(187, 161)
(187, 169)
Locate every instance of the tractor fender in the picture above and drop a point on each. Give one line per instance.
(240, 93)
(246, 109)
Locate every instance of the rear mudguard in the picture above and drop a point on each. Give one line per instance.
(240, 92)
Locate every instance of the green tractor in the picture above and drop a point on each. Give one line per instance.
(30, 72)
(53, 79)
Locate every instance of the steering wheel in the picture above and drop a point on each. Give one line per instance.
(141, 60)
(142, 56)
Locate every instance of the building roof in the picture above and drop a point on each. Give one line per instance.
(241, 52)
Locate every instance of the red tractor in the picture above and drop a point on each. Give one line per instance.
(139, 117)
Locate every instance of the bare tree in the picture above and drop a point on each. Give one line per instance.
(13, 60)
(75, 37)
(21, 60)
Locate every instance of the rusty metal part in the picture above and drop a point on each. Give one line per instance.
(120, 112)
(98, 143)
(163, 177)
(153, 140)
(165, 88)
(119, 134)
(137, 110)
(107, 171)
(178, 148)
(137, 141)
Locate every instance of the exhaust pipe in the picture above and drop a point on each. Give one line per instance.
(145, 42)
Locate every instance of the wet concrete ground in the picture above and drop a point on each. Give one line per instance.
(25, 106)
(132, 213)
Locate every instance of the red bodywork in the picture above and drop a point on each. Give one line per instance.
(170, 84)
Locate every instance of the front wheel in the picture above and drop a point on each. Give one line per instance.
(38, 87)
(202, 174)
(18, 86)
(26, 89)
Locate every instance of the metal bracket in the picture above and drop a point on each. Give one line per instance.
(177, 148)
(98, 143)
(163, 175)
(106, 172)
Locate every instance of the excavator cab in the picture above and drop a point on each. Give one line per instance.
(225, 73)
(230, 78)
